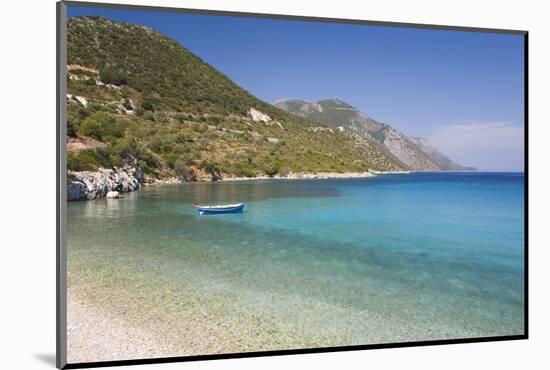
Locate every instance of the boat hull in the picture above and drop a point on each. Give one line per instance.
(221, 210)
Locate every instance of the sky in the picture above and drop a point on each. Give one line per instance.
(461, 90)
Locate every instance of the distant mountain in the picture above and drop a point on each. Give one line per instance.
(439, 158)
(415, 153)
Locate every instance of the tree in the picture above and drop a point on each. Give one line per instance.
(271, 168)
(212, 169)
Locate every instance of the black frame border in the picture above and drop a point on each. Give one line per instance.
(61, 260)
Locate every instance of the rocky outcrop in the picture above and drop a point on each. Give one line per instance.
(258, 116)
(79, 99)
(86, 185)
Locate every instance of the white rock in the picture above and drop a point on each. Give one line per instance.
(312, 107)
(112, 195)
(258, 116)
(80, 99)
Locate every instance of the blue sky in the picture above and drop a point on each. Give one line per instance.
(461, 90)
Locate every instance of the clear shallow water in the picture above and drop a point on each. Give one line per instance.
(310, 262)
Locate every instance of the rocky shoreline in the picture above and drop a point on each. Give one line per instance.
(88, 185)
(110, 183)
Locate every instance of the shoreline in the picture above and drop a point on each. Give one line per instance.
(306, 176)
(298, 176)
(111, 183)
(90, 185)
(291, 176)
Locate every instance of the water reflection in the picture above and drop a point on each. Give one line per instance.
(239, 191)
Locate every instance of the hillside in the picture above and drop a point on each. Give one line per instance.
(416, 153)
(137, 97)
(439, 158)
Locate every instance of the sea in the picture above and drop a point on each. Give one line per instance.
(309, 263)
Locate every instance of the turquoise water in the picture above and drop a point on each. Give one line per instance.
(312, 262)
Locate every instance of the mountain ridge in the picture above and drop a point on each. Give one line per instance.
(416, 153)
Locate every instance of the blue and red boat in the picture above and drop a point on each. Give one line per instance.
(219, 209)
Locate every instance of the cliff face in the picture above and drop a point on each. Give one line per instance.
(404, 148)
(444, 162)
(415, 153)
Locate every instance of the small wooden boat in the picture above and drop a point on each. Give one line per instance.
(228, 208)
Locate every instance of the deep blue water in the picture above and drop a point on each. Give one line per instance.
(392, 258)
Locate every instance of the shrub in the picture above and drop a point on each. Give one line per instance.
(82, 72)
(199, 127)
(182, 138)
(244, 169)
(112, 76)
(181, 117)
(216, 120)
(147, 104)
(271, 168)
(149, 116)
(71, 131)
(102, 126)
(183, 171)
(92, 128)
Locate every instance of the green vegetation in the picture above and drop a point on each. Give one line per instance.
(112, 76)
(88, 160)
(83, 73)
(147, 104)
(103, 126)
(185, 117)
